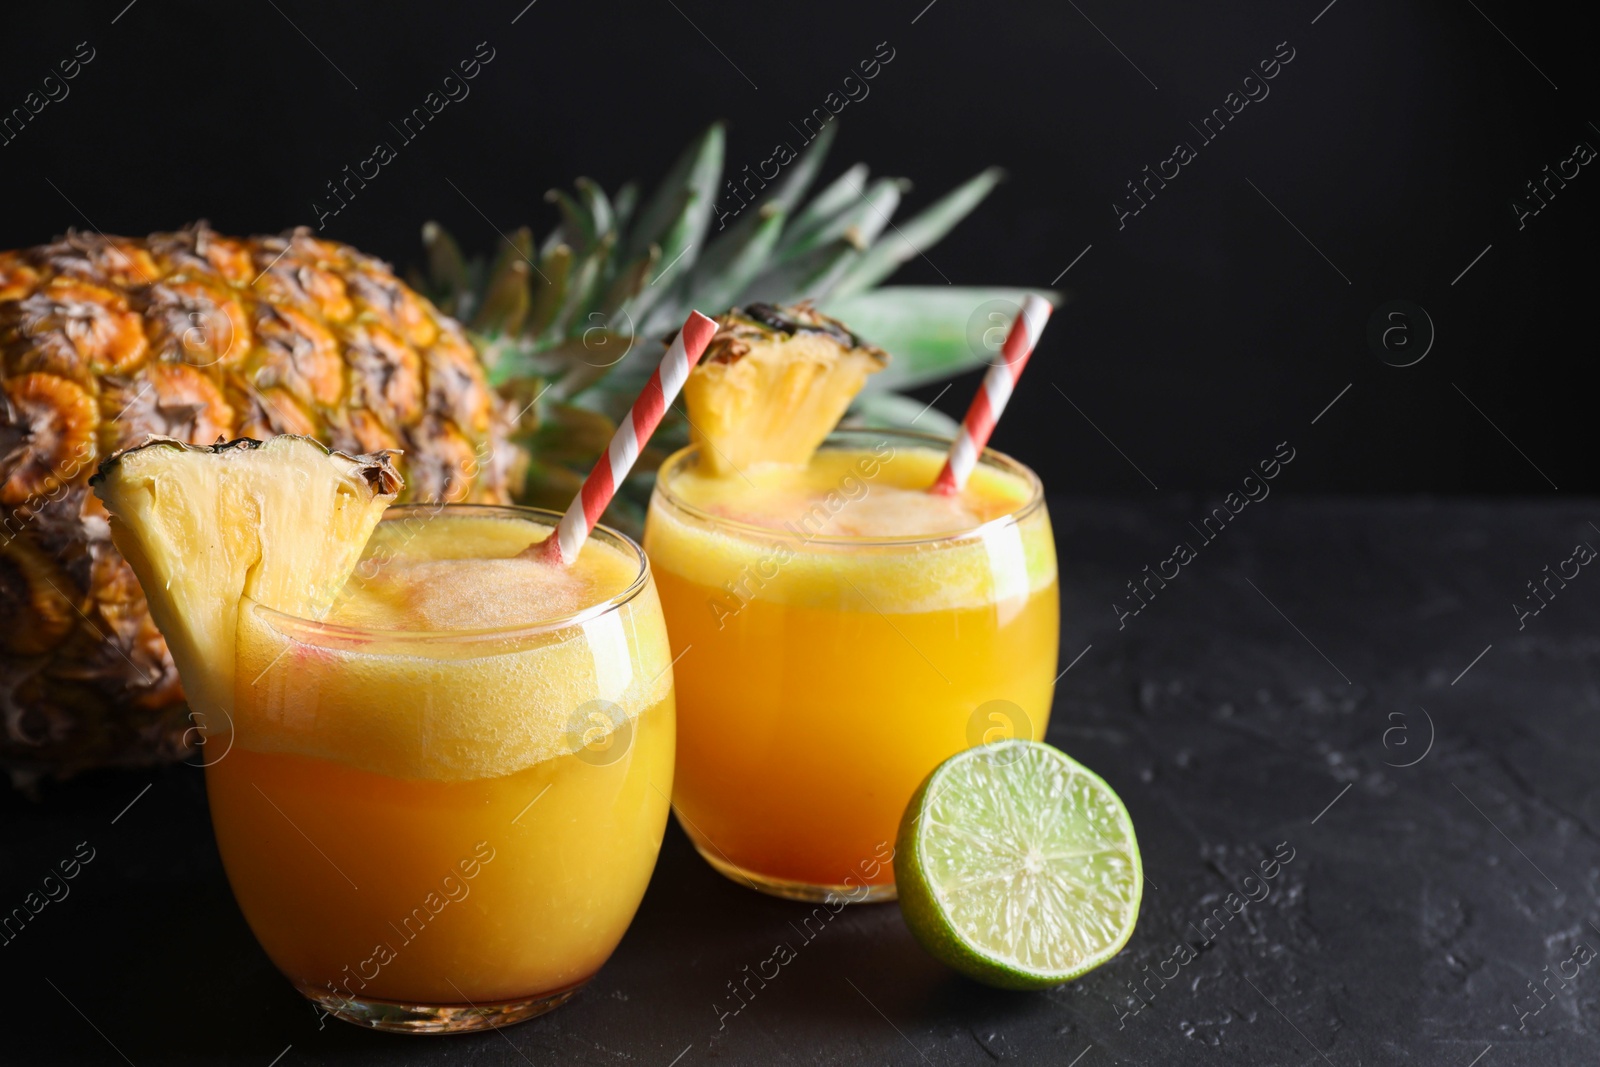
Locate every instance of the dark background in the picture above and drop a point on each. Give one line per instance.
(1199, 336)
(1432, 888)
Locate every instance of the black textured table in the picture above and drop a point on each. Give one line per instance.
(1342, 682)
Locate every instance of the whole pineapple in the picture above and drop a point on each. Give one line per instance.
(197, 336)
(104, 340)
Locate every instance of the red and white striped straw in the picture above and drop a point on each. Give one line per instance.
(630, 438)
(998, 385)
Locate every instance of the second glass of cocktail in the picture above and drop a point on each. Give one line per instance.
(839, 630)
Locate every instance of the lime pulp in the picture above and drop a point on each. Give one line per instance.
(1018, 866)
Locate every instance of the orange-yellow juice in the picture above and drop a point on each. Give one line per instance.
(451, 791)
(841, 632)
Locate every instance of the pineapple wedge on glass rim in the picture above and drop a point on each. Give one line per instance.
(773, 383)
(281, 522)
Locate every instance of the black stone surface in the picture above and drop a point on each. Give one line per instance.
(1270, 694)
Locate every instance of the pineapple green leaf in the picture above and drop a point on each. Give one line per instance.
(549, 485)
(555, 266)
(504, 363)
(696, 171)
(526, 394)
(656, 287)
(447, 268)
(861, 221)
(837, 196)
(892, 411)
(595, 287)
(615, 392)
(517, 248)
(622, 208)
(627, 283)
(917, 236)
(728, 244)
(804, 170)
(807, 276)
(577, 364)
(558, 236)
(570, 433)
(596, 205)
(506, 302)
(930, 332)
(586, 314)
(577, 226)
(719, 283)
(680, 247)
(581, 286)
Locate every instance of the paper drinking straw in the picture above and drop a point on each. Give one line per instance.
(631, 435)
(986, 407)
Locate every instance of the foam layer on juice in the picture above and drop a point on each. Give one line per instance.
(442, 579)
(426, 667)
(778, 542)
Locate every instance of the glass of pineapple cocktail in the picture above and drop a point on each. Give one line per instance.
(480, 748)
(840, 630)
(438, 793)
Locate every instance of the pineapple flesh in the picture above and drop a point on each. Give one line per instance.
(282, 523)
(772, 384)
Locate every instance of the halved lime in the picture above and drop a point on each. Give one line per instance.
(1017, 866)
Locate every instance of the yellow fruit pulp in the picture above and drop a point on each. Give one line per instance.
(281, 522)
(440, 793)
(842, 632)
(776, 401)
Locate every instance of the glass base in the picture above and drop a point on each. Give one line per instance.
(782, 887)
(400, 1017)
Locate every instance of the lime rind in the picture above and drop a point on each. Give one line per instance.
(1018, 866)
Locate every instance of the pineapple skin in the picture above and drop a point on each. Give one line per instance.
(194, 336)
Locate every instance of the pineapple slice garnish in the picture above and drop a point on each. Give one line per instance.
(773, 383)
(282, 522)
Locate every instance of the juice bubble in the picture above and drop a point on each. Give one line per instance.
(459, 594)
(853, 494)
(437, 661)
(805, 535)
(896, 512)
(414, 586)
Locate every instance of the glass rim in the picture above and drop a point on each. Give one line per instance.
(317, 631)
(989, 458)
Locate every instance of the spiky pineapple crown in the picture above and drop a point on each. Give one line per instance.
(572, 326)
